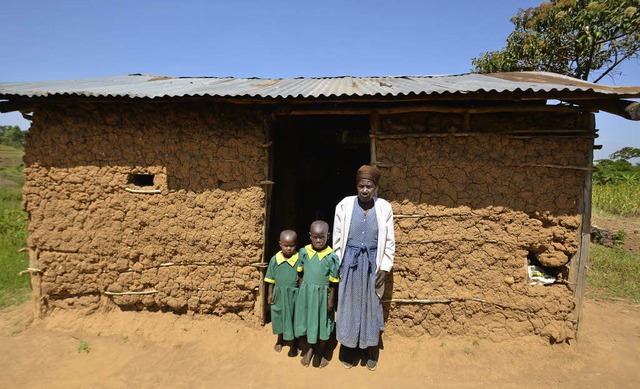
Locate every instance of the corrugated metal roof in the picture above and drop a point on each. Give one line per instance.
(149, 86)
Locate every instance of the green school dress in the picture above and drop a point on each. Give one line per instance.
(311, 318)
(283, 274)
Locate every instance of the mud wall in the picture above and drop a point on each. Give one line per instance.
(187, 248)
(472, 211)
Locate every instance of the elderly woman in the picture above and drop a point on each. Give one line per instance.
(364, 241)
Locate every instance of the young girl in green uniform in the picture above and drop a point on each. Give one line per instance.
(314, 315)
(282, 276)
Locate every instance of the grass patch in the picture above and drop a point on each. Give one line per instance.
(11, 165)
(14, 289)
(621, 199)
(84, 347)
(614, 273)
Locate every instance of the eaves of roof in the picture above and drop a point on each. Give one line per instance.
(527, 84)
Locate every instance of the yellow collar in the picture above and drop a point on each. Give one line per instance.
(321, 254)
(291, 260)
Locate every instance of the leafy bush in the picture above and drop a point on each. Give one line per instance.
(12, 136)
(611, 172)
(618, 169)
(616, 183)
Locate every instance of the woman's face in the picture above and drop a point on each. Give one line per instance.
(366, 188)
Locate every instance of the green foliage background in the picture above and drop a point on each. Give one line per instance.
(13, 229)
(616, 183)
(572, 37)
(12, 136)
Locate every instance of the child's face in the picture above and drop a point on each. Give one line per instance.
(287, 245)
(318, 238)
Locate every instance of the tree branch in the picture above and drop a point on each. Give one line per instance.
(616, 63)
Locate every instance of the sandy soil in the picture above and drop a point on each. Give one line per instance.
(154, 350)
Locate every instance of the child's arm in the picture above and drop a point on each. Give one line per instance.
(334, 278)
(332, 296)
(270, 298)
(300, 269)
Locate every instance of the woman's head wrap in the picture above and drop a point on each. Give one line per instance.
(369, 172)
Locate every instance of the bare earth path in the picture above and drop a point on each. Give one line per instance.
(153, 350)
(630, 226)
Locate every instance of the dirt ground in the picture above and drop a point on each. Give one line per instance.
(630, 226)
(155, 350)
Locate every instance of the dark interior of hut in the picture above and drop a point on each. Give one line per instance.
(314, 162)
(315, 159)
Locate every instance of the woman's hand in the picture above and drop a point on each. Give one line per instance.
(380, 277)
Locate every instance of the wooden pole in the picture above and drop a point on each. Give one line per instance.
(580, 262)
(36, 283)
(374, 130)
(585, 168)
(131, 293)
(511, 134)
(298, 110)
(267, 185)
(451, 300)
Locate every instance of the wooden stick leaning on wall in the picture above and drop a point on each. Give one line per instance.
(36, 282)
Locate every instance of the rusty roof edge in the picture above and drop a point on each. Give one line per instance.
(559, 79)
(537, 84)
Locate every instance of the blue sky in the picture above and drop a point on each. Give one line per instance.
(66, 39)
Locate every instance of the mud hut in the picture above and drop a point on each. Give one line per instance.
(162, 193)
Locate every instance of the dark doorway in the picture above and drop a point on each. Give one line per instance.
(315, 159)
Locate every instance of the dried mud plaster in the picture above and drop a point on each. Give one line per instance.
(193, 242)
(471, 210)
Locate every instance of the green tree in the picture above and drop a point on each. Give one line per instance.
(618, 169)
(577, 38)
(12, 136)
(626, 153)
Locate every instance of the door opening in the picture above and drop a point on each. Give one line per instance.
(315, 159)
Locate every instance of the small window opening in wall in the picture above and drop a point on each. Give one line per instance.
(538, 273)
(532, 258)
(142, 180)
